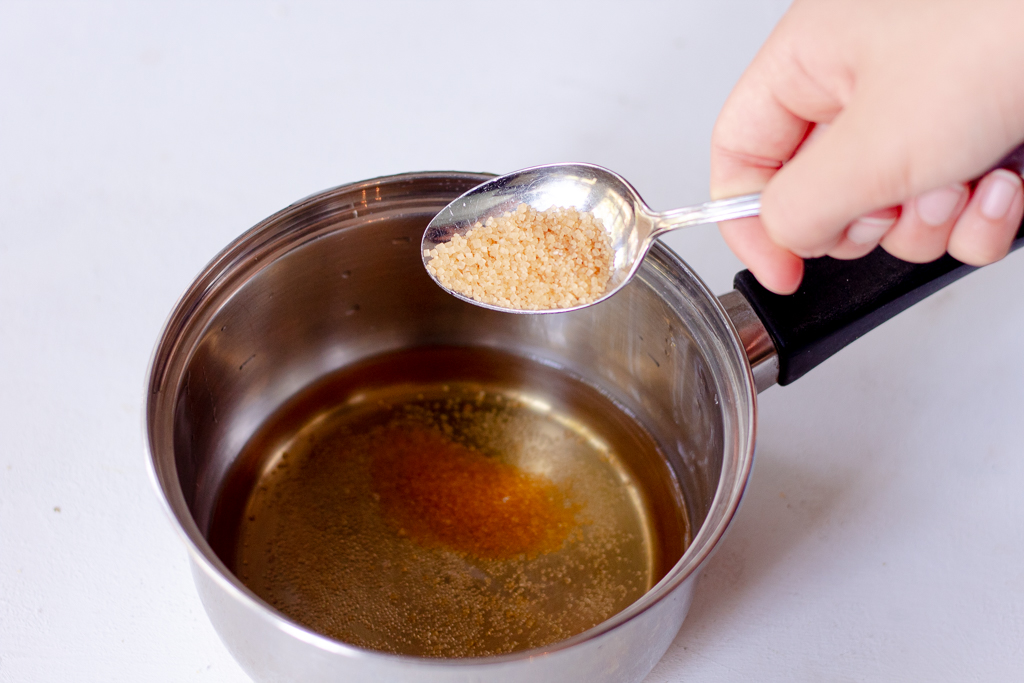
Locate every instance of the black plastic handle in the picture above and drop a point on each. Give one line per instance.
(839, 301)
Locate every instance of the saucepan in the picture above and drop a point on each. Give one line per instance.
(336, 279)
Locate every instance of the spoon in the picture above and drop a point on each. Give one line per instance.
(630, 224)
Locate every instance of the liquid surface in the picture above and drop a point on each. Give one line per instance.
(444, 494)
(442, 519)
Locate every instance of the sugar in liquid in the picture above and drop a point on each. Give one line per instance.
(449, 502)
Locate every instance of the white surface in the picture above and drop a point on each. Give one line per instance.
(882, 537)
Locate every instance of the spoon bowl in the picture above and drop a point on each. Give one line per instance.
(631, 226)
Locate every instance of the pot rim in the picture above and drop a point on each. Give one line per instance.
(733, 477)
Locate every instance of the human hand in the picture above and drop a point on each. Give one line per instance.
(861, 120)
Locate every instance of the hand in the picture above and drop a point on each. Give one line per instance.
(861, 120)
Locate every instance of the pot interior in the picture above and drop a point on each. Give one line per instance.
(450, 502)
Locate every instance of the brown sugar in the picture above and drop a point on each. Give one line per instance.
(442, 493)
(527, 259)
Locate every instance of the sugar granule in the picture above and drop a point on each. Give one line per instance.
(527, 259)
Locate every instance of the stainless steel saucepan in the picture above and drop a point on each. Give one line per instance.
(336, 278)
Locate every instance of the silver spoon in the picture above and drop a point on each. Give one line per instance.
(630, 224)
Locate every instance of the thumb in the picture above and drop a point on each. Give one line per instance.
(854, 166)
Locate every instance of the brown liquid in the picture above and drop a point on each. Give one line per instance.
(426, 503)
(447, 495)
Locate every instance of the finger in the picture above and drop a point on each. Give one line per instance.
(922, 232)
(864, 234)
(767, 117)
(774, 267)
(988, 225)
(847, 250)
(753, 136)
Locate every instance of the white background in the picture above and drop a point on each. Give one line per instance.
(882, 535)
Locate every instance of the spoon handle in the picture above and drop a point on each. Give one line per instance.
(708, 212)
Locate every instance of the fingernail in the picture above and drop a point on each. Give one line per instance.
(869, 229)
(997, 193)
(936, 207)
